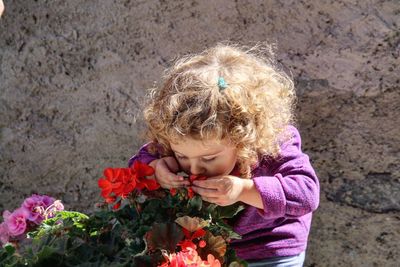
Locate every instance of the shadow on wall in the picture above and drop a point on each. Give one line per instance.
(354, 144)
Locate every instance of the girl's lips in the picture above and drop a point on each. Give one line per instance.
(193, 177)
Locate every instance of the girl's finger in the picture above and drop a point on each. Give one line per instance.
(180, 184)
(176, 183)
(178, 180)
(209, 183)
(204, 192)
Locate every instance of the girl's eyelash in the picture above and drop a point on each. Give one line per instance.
(205, 160)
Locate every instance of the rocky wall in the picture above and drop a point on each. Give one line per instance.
(73, 75)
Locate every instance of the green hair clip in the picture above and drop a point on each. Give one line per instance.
(222, 84)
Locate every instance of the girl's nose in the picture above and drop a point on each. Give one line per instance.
(196, 169)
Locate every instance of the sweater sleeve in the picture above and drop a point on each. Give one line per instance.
(146, 154)
(292, 188)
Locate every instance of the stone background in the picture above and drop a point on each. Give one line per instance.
(74, 73)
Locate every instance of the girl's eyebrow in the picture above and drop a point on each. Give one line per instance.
(205, 155)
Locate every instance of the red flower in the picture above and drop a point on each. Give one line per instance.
(117, 205)
(196, 234)
(140, 171)
(197, 177)
(120, 182)
(190, 192)
(110, 200)
(185, 244)
(191, 179)
(126, 183)
(189, 258)
(202, 243)
(189, 237)
(173, 191)
(111, 181)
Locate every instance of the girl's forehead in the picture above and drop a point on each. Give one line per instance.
(207, 144)
(192, 146)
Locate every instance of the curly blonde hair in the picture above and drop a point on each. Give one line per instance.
(252, 112)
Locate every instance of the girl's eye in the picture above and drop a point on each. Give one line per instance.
(208, 160)
(180, 157)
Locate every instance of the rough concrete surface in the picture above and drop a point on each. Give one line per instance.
(73, 75)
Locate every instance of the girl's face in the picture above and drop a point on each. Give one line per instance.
(209, 158)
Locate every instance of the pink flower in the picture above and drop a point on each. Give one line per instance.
(4, 235)
(16, 221)
(35, 204)
(58, 205)
(52, 209)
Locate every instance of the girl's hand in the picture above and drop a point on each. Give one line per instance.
(221, 190)
(165, 173)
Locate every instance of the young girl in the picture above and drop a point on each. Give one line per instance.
(226, 113)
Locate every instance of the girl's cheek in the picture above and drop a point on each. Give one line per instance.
(221, 169)
(183, 166)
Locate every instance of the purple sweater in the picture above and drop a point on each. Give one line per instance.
(289, 189)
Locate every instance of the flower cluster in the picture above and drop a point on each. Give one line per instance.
(154, 227)
(190, 192)
(120, 182)
(189, 257)
(32, 212)
(187, 231)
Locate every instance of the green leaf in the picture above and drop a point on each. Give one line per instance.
(196, 203)
(230, 256)
(220, 228)
(211, 208)
(229, 211)
(10, 249)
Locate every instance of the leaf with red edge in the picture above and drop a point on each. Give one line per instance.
(215, 243)
(192, 224)
(164, 236)
(216, 246)
(199, 233)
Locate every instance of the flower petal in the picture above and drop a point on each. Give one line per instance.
(103, 183)
(143, 169)
(109, 173)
